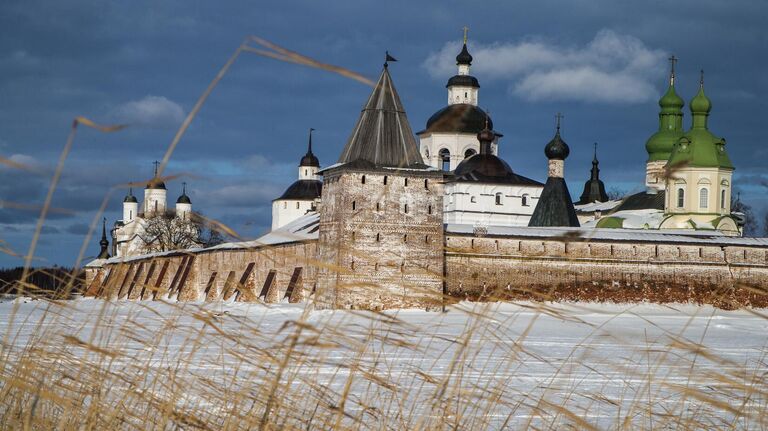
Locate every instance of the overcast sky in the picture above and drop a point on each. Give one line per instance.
(602, 63)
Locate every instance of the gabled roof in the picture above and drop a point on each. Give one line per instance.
(382, 134)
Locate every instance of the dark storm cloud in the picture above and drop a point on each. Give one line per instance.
(145, 63)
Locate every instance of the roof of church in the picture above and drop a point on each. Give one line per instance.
(464, 57)
(555, 207)
(642, 201)
(310, 159)
(463, 80)
(382, 134)
(486, 167)
(594, 189)
(130, 197)
(303, 190)
(156, 184)
(458, 118)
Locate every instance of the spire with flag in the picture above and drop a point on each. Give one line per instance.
(388, 58)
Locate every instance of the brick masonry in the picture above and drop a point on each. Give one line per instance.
(393, 273)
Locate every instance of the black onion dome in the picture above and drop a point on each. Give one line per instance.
(310, 159)
(464, 57)
(156, 184)
(463, 81)
(458, 118)
(183, 199)
(489, 169)
(557, 148)
(303, 190)
(130, 198)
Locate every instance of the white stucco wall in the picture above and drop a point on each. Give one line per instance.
(286, 211)
(459, 208)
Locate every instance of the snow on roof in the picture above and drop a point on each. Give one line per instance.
(597, 234)
(634, 219)
(598, 206)
(302, 229)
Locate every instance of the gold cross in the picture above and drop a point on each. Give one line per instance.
(156, 163)
(466, 29)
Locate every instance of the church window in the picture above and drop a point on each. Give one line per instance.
(426, 184)
(352, 265)
(426, 239)
(405, 237)
(525, 201)
(376, 266)
(429, 209)
(405, 207)
(680, 197)
(722, 198)
(298, 205)
(353, 235)
(703, 198)
(385, 180)
(445, 159)
(498, 199)
(363, 179)
(473, 199)
(306, 172)
(378, 237)
(130, 215)
(285, 205)
(377, 206)
(466, 95)
(406, 182)
(155, 206)
(426, 153)
(469, 153)
(354, 205)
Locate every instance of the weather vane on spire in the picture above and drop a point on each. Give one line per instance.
(558, 117)
(672, 60)
(388, 58)
(466, 29)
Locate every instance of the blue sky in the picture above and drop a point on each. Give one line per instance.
(601, 63)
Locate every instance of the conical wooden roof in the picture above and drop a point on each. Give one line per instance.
(382, 135)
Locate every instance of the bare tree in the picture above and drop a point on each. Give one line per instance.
(616, 193)
(164, 232)
(743, 213)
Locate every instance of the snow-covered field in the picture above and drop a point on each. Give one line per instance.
(477, 366)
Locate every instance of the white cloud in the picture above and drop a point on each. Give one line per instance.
(153, 111)
(612, 68)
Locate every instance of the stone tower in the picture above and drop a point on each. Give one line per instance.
(381, 220)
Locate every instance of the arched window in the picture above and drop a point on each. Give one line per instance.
(445, 159)
(473, 199)
(426, 184)
(298, 205)
(426, 239)
(498, 199)
(378, 237)
(426, 153)
(363, 179)
(354, 205)
(406, 208)
(703, 198)
(405, 237)
(722, 198)
(377, 206)
(306, 172)
(429, 209)
(525, 201)
(680, 197)
(405, 183)
(385, 180)
(469, 153)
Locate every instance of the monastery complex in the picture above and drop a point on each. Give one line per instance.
(406, 219)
